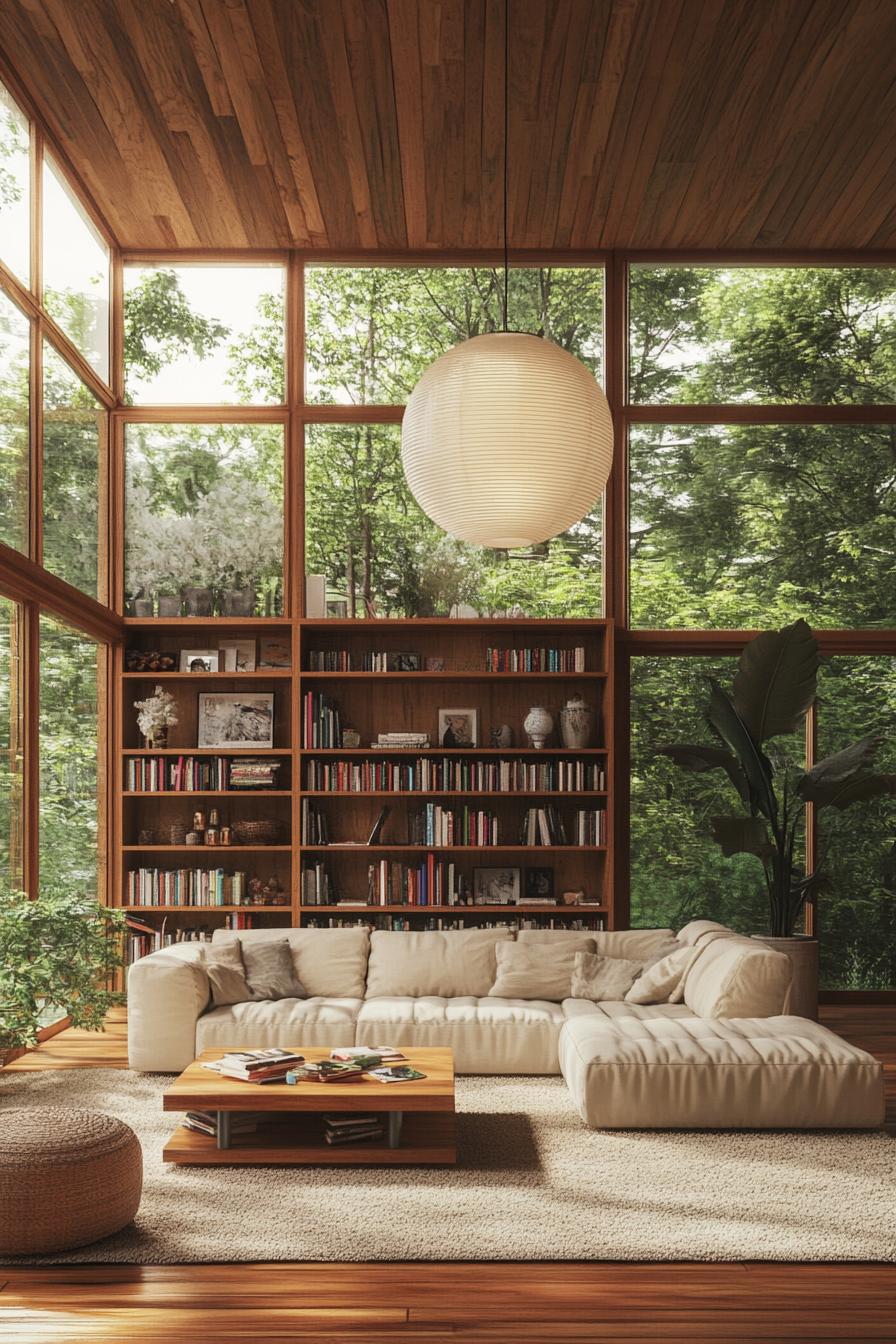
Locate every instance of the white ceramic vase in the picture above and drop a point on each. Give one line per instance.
(538, 724)
(576, 723)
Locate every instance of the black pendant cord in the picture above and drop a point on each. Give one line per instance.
(506, 132)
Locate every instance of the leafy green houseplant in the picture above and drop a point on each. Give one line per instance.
(59, 951)
(773, 690)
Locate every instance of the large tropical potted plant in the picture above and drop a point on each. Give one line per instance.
(773, 690)
(58, 952)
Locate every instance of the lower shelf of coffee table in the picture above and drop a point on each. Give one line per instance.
(427, 1138)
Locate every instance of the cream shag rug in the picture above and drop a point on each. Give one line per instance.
(532, 1184)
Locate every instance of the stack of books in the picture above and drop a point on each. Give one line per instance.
(206, 1122)
(253, 772)
(367, 1056)
(326, 1071)
(352, 1128)
(257, 1066)
(402, 741)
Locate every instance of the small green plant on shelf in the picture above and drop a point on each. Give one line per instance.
(58, 952)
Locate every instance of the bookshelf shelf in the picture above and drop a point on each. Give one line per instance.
(372, 702)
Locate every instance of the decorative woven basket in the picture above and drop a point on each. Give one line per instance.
(256, 832)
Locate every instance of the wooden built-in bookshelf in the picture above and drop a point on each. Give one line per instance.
(372, 702)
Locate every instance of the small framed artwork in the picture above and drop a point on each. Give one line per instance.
(238, 655)
(199, 660)
(458, 727)
(337, 608)
(402, 662)
(274, 652)
(539, 884)
(236, 720)
(435, 664)
(496, 886)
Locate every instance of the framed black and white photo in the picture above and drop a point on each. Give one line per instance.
(402, 662)
(236, 720)
(458, 727)
(539, 884)
(496, 886)
(199, 660)
(238, 655)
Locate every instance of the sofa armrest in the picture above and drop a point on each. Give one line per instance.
(168, 992)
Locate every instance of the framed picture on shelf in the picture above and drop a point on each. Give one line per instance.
(274, 652)
(458, 727)
(238, 655)
(402, 662)
(539, 884)
(199, 660)
(496, 886)
(435, 664)
(236, 720)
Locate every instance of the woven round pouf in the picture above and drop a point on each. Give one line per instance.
(66, 1178)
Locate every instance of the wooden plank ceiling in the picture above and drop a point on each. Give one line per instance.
(349, 124)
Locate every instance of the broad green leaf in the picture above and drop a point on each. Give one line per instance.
(742, 835)
(698, 759)
(844, 793)
(776, 680)
(842, 764)
(756, 766)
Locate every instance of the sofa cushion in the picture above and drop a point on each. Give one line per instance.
(585, 942)
(701, 931)
(328, 962)
(737, 977)
(270, 970)
(226, 973)
(644, 1071)
(644, 945)
(663, 981)
(598, 978)
(286, 1022)
(486, 1035)
(536, 970)
(455, 963)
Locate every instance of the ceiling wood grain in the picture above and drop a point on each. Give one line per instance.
(348, 124)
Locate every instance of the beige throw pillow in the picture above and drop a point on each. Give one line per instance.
(534, 970)
(270, 970)
(602, 978)
(223, 965)
(663, 982)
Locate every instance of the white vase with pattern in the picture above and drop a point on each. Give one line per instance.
(576, 723)
(538, 724)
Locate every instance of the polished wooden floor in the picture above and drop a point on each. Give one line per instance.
(463, 1303)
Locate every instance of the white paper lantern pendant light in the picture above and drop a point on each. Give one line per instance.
(507, 439)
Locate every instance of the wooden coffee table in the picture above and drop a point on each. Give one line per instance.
(419, 1117)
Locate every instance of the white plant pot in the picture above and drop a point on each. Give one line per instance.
(802, 1000)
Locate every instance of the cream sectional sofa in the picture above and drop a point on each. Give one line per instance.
(626, 1065)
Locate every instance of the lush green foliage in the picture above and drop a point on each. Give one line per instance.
(59, 953)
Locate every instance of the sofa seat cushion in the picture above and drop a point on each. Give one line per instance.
(287, 1022)
(646, 1070)
(487, 1035)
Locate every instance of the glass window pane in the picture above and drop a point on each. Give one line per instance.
(678, 871)
(371, 331)
(382, 557)
(741, 526)
(209, 335)
(15, 361)
(11, 747)
(74, 438)
(15, 188)
(857, 848)
(204, 519)
(69, 745)
(75, 271)
(811, 335)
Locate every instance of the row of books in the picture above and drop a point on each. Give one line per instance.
(343, 660)
(321, 720)
(315, 829)
(141, 939)
(185, 886)
(438, 825)
(450, 774)
(535, 660)
(189, 774)
(443, 923)
(545, 826)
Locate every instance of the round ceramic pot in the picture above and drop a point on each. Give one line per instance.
(576, 723)
(802, 999)
(169, 605)
(239, 601)
(538, 724)
(198, 601)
